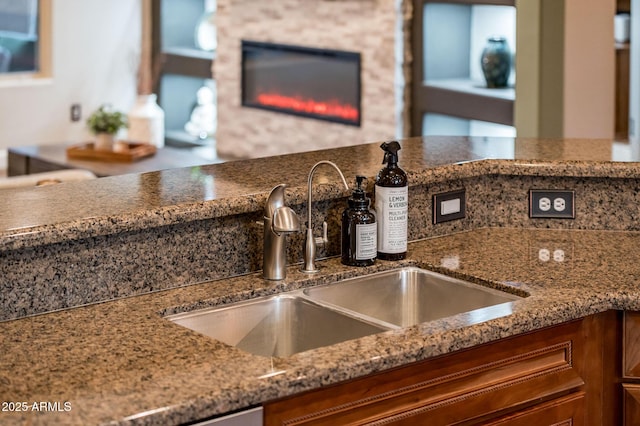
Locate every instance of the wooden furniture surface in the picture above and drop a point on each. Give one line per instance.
(124, 152)
(547, 377)
(36, 159)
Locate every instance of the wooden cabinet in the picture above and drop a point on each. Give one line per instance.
(631, 404)
(566, 411)
(631, 368)
(631, 346)
(551, 376)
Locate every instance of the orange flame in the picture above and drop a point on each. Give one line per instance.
(309, 106)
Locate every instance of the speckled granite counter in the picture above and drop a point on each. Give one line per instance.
(72, 244)
(120, 362)
(139, 201)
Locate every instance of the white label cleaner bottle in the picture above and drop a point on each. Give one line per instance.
(392, 205)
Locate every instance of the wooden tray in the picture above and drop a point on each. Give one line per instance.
(123, 152)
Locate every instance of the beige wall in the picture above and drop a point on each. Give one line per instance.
(94, 48)
(589, 69)
(565, 68)
(367, 27)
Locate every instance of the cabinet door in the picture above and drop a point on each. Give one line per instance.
(568, 411)
(631, 401)
(631, 345)
(466, 386)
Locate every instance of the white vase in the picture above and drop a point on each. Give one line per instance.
(146, 121)
(104, 142)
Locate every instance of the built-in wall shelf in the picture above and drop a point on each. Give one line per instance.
(471, 87)
(448, 39)
(468, 99)
(183, 53)
(186, 61)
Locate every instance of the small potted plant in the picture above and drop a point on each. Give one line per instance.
(105, 123)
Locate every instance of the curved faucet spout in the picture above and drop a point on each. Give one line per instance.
(309, 250)
(275, 200)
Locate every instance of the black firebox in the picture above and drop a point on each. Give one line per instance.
(304, 81)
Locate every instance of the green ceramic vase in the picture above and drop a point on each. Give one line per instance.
(496, 62)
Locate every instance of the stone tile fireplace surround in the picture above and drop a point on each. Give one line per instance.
(377, 29)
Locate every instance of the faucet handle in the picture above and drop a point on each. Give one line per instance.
(285, 220)
(323, 239)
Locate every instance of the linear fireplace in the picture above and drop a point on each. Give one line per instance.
(308, 82)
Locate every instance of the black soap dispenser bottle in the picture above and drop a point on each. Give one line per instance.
(359, 229)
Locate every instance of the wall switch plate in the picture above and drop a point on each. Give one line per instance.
(552, 204)
(449, 206)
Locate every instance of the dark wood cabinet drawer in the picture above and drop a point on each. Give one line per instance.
(567, 411)
(476, 385)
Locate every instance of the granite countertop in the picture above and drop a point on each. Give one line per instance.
(73, 210)
(120, 362)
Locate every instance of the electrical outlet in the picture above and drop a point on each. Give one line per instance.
(449, 206)
(552, 204)
(76, 112)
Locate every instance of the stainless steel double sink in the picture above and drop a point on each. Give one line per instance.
(301, 320)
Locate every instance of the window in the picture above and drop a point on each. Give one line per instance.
(21, 28)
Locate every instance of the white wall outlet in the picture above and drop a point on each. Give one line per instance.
(544, 204)
(552, 204)
(559, 204)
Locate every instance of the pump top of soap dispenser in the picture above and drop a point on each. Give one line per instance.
(358, 199)
(390, 152)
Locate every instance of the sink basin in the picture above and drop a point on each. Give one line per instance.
(300, 320)
(276, 326)
(409, 296)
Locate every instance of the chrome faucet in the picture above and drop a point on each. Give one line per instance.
(279, 220)
(309, 250)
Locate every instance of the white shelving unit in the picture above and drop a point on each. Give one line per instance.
(183, 66)
(448, 81)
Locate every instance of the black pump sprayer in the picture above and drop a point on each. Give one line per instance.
(390, 153)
